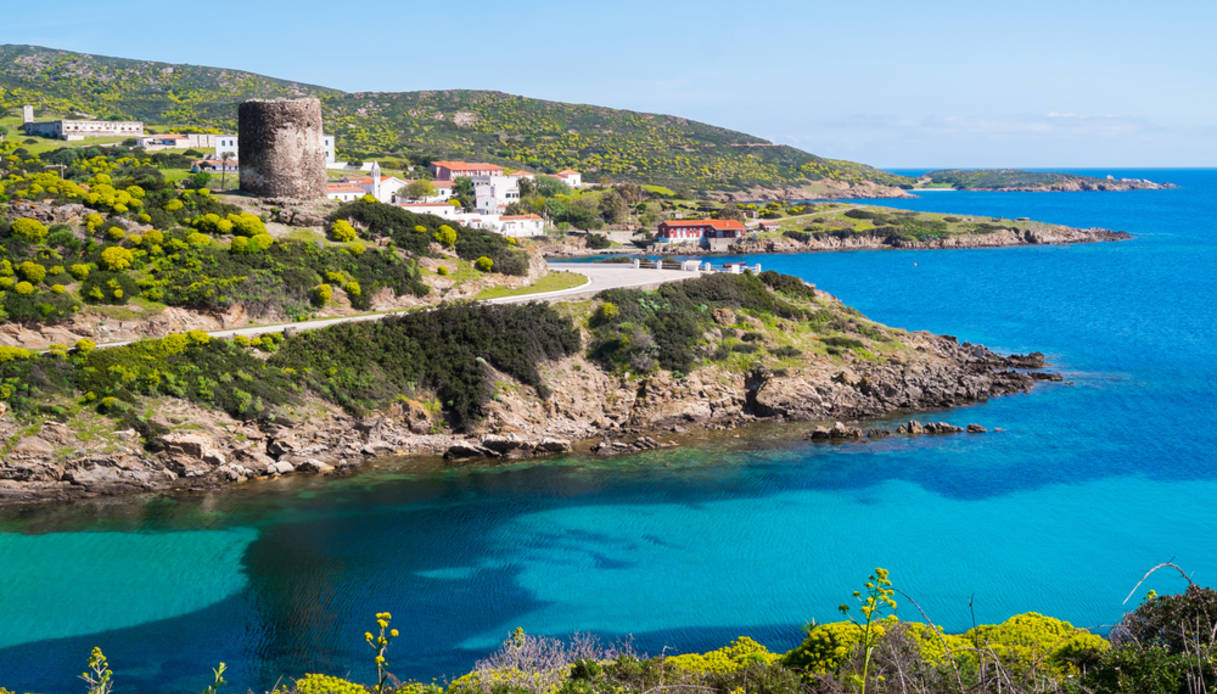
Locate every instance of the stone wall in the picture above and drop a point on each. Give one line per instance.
(280, 148)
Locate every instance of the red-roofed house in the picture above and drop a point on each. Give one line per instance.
(570, 177)
(451, 170)
(344, 191)
(709, 233)
(439, 209)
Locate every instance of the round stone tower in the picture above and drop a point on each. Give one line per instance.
(279, 148)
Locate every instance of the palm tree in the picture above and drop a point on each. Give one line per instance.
(224, 168)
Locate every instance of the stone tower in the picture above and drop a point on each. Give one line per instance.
(279, 150)
(27, 114)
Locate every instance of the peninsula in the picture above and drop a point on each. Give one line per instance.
(1031, 181)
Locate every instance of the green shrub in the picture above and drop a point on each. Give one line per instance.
(483, 264)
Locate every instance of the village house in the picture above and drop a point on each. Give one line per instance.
(344, 191)
(439, 209)
(714, 234)
(217, 166)
(570, 177)
(383, 188)
(452, 170)
(492, 194)
(521, 225)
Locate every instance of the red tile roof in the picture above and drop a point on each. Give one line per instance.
(466, 166)
(343, 188)
(567, 172)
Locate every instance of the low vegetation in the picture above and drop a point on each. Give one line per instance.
(1165, 646)
(452, 352)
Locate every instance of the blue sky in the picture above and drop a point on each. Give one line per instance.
(1031, 83)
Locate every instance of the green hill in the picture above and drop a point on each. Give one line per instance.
(510, 130)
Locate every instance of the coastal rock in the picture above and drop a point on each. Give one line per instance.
(975, 429)
(468, 449)
(503, 445)
(552, 445)
(316, 466)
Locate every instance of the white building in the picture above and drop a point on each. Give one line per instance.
(570, 177)
(492, 194)
(383, 188)
(344, 191)
(439, 209)
(521, 225)
(228, 143)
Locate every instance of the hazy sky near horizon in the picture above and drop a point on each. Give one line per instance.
(897, 84)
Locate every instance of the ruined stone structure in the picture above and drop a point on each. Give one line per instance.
(280, 150)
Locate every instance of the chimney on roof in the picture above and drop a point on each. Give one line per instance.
(27, 114)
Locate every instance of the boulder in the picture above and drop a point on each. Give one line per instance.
(975, 429)
(281, 467)
(552, 445)
(503, 444)
(315, 466)
(468, 449)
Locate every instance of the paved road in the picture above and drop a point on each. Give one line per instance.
(600, 277)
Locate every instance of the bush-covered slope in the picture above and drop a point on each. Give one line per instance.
(483, 125)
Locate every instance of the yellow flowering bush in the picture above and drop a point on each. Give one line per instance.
(326, 684)
(117, 258)
(740, 653)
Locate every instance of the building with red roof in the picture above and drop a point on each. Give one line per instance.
(451, 170)
(715, 234)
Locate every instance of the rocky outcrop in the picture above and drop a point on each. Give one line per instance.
(1039, 235)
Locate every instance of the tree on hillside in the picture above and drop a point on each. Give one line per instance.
(613, 208)
(419, 190)
(730, 211)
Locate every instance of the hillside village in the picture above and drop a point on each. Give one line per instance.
(493, 193)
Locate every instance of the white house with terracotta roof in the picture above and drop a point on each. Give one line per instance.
(344, 191)
(383, 188)
(439, 209)
(521, 225)
(452, 170)
(570, 177)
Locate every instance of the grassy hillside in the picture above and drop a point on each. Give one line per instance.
(484, 125)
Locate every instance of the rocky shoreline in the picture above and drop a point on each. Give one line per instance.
(1041, 235)
(590, 411)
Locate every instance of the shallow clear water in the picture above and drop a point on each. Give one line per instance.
(1091, 484)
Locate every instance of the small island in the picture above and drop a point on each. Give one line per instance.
(1018, 180)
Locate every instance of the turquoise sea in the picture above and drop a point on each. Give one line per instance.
(1092, 483)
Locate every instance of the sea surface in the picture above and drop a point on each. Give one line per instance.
(1093, 482)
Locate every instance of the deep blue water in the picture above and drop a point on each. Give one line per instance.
(1091, 484)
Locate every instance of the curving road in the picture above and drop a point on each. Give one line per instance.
(599, 278)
